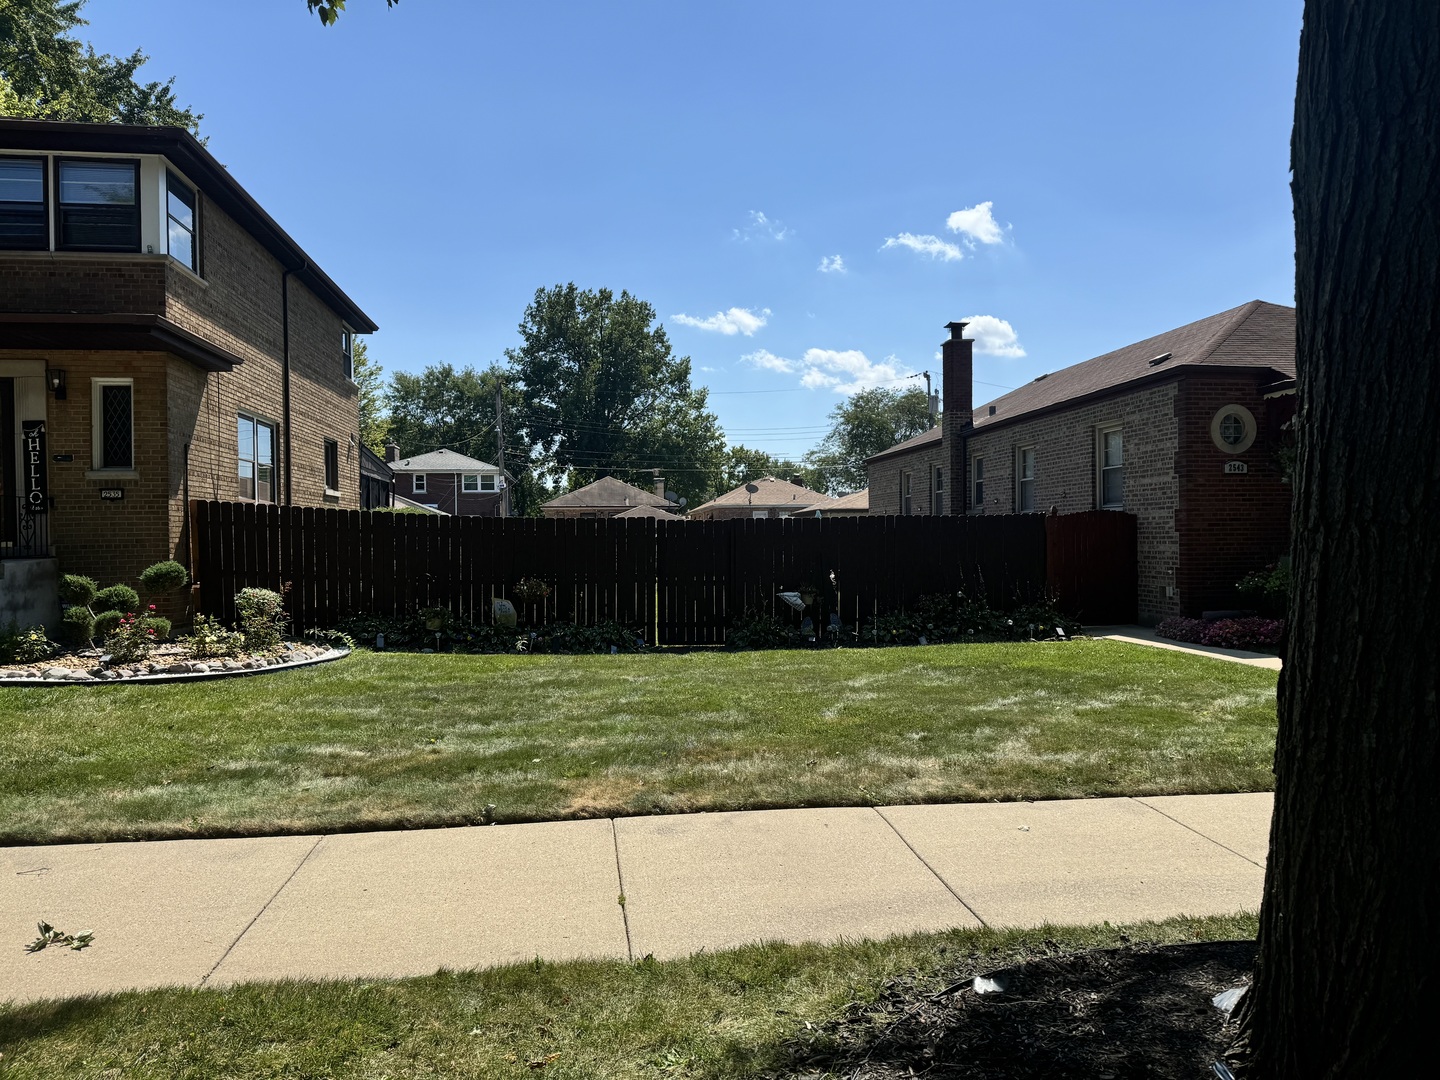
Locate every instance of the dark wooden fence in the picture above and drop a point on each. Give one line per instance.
(684, 581)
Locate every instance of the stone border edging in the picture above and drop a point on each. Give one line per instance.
(179, 676)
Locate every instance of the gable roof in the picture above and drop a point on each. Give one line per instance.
(1257, 335)
(915, 442)
(441, 461)
(605, 492)
(648, 511)
(188, 155)
(859, 500)
(773, 494)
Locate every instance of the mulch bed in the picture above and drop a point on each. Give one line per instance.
(1115, 1014)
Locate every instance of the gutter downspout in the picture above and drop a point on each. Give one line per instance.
(285, 377)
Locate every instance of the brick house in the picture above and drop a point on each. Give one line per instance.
(1184, 430)
(770, 498)
(161, 339)
(448, 481)
(604, 498)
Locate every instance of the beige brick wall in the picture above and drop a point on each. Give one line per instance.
(886, 477)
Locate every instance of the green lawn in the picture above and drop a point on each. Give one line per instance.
(388, 740)
(718, 1016)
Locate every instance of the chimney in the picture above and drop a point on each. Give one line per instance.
(392, 452)
(660, 486)
(957, 372)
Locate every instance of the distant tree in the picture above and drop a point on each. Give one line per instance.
(443, 407)
(743, 465)
(329, 10)
(374, 420)
(47, 75)
(1347, 981)
(862, 426)
(603, 394)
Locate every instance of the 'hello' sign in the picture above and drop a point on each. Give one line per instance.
(37, 489)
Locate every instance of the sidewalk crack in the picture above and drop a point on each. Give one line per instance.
(215, 967)
(1197, 832)
(620, 878)
(960, 899)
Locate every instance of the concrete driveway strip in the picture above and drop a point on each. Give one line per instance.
(712, 881)
(1239, 822)
(163, 912)
(408, 903)
(1076, 862)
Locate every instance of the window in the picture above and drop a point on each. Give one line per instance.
(470, 482)
(347, 352)
(977, 480)
(257, 459)
(905, 493)
(417, 483)
(332, 465)
(180, 212)
(488, 482)
(24, 224)
(937, 492)
(1025, 479)
(1233, 429)
(112, 423)
(1111, 455)
(99, 205)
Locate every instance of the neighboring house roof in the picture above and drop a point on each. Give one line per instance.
(411, 504)
(648, 512)
(442, 461)
(857, 502)
(372, 464)
(1256, 335)
(606, 492)
(188, 155)
(772, 494)
(917, 442)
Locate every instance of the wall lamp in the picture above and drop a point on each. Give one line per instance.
(56, 378)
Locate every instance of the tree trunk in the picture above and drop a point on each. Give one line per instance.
(1348, 973)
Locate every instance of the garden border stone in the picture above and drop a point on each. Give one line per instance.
(190, 671)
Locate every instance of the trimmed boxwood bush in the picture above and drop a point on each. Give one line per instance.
(106, 622)
(77, 589)
(163, 577)
(77, 626)
(121, 598)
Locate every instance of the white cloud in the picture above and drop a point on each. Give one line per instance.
(761, 227)
(925, 245)
(845, 372)
(976, 224)
(832, 264)
(764, 358)
(993, 337)
(737, 320)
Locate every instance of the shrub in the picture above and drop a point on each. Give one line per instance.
(132, 640)
(262, 617)
(209, 638)
(77, 626)
(1249, 633)
(331, 639)
(531, 590)
(163, 577)
(754, 630)
(1179, 628)
(27, 646)
(158, 623)
(78, 590)
(105, 624)
(116, 598)
(1268, 589)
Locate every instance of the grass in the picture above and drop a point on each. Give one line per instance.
(717, 1016)
(386, 740)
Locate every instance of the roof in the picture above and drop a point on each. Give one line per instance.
(25, 330)
(188, 155)
(372, 464)
(772, 493)
(858, 501)
(411, 504)
(648, 512)
(441, 461)
(606, 492)
(916, 442)
(1255, 336)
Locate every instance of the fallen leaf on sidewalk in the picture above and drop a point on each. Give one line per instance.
(50, 936)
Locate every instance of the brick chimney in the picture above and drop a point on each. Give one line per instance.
(392, 452)
(957, 370)
(660, 486)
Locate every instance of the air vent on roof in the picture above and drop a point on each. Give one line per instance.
(992, 410)
(1039, 377)
(1158, 360)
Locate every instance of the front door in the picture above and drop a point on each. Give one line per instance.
(24, 469)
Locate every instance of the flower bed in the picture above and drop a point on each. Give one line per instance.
(1248, 632)
(164, 661)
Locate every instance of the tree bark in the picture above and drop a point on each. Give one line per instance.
(1348, 968)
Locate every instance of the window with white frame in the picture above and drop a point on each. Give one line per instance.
(112, 424)
(905, 494)
(417, 483)
(1110, 460)
(470, 482)
(255, 458)
(937, 491)
(347, 352)
(1025, 479)
(488, 482)
(977, 482)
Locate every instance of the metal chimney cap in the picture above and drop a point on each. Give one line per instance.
(956, 329)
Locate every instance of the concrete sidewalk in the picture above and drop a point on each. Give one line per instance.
(215, 912)
(1144, 635)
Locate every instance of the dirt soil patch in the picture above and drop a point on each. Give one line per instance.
(1112, 1014)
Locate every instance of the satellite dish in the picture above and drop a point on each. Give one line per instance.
(752, 488)
(683, 500)
(671, 496)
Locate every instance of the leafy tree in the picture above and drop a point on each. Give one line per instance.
(443, 407)
(743, 465)
(47, 75)
(329, 10)
(370, 378)
(862, 426)
(1347, 981)
(604, 394)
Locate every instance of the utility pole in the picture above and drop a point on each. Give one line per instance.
(500, 449)
(930, 400)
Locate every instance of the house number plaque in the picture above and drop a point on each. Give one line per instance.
(112, 494)
(37, 486)
(1236, 468)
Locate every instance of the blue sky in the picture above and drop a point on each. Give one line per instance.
(1085, 175)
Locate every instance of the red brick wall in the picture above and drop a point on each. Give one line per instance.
(884, 478)
(1228, 524)
(440, 492)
